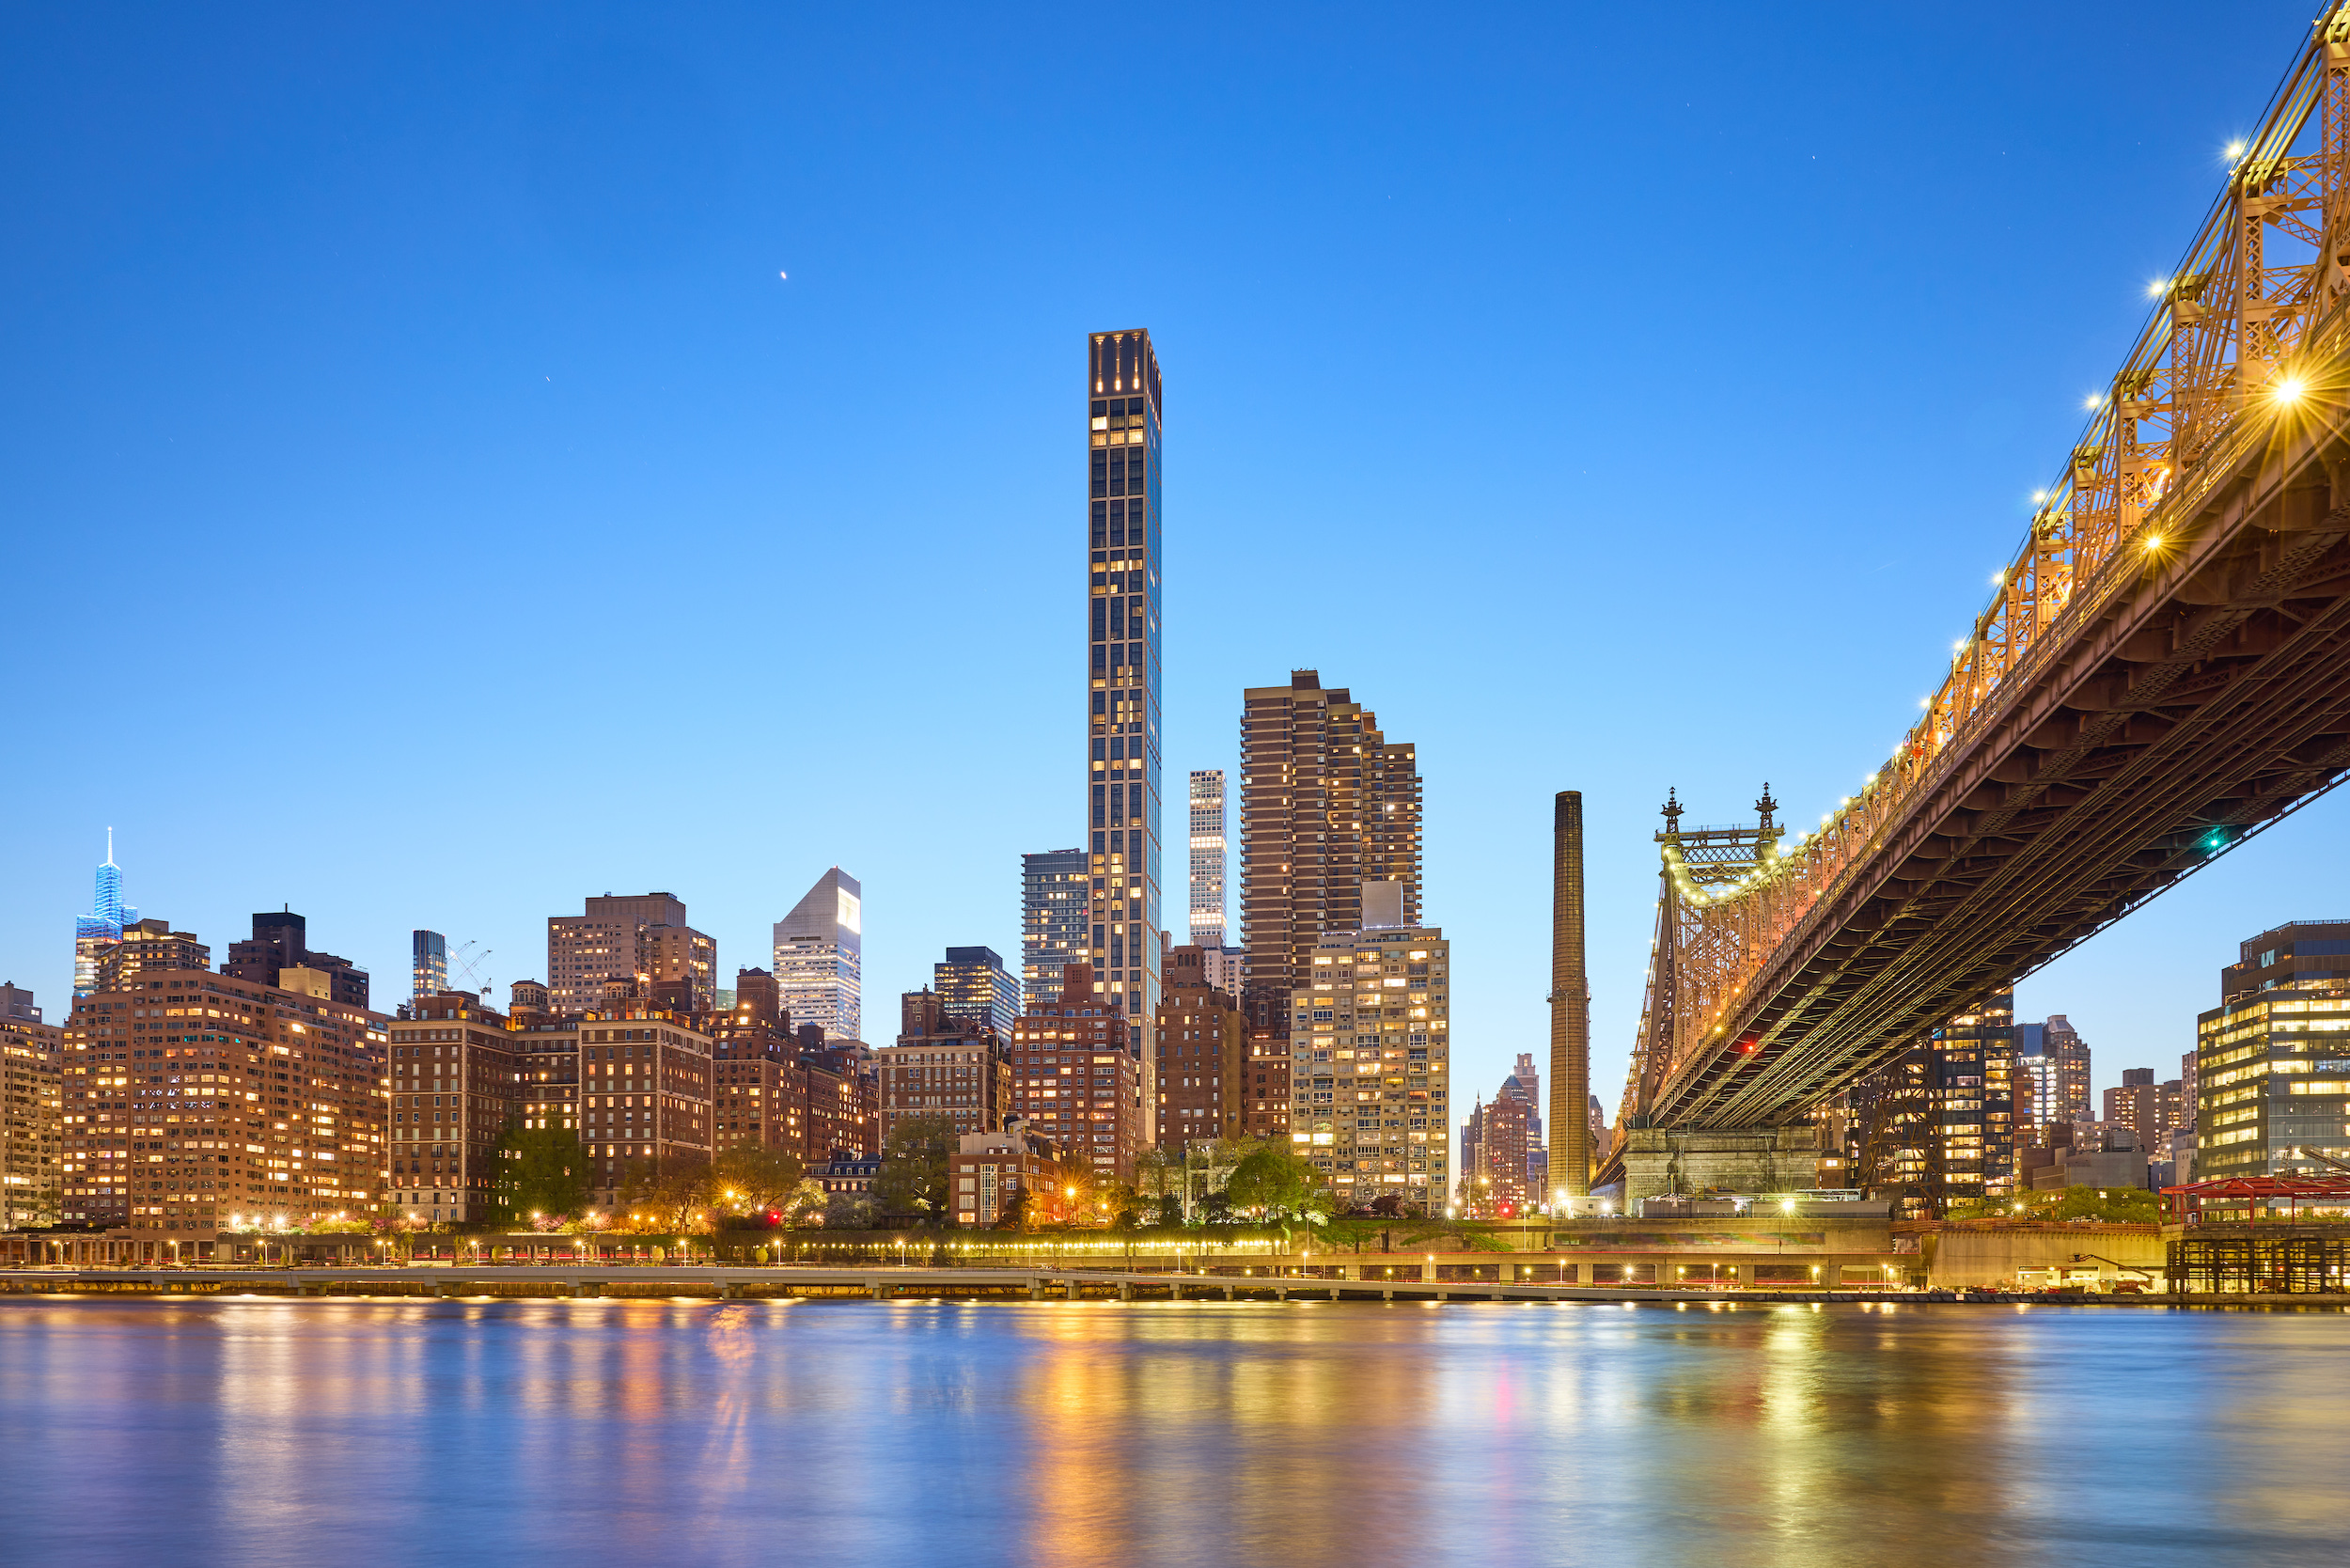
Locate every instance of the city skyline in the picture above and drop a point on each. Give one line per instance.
(347, 855)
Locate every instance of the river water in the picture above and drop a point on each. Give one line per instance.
(255, 1432)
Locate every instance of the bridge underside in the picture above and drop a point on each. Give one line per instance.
(2209, 696)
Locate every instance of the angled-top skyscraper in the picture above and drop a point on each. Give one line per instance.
(820, 956)
(1125, 821)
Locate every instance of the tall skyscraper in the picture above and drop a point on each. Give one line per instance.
(1053, 931)
(1206, 858)
(428, 963)
(638, 941)
(1935, 1127)
(1124, 816)
(99, 931)
(974, 985)
(1328, 804)
(1370, 1073)
(820, 956)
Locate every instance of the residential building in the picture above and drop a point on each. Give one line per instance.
(428, 963)
(1203, 1056)
(2137, 1105)
(1126, 817)
(1206, 858)
(642, 941)
(769, 1094)
(1328, 804)
(32, 1166)
(280, 941)
(456, 1087)
(645, 1084)
(1936, 1126)
(2067, 1054)
(96, 933)
(1053, 922)
(1495, 1143)
(973, 983)
(1226, 971)
(2272, 1061)
(942, 1066)
(1264, 1106)
(1370, 1062)
(992, 1172)
(149, 945)
(1075, 1078)
(820, 956)
(527, 998)
(756, 996)
(198, 1102)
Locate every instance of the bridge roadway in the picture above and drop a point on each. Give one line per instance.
(879, 1283)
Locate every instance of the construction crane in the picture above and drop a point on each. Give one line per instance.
(464, 960)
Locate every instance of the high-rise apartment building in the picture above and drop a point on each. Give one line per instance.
(1369, 1064)
(1328, 804)
(96, 933)
(1126, 818)
(1203, 1056)
(1936, 1126)
(149, 945)
(642, 942)
(1206, 858)
(2137, 1104)
(820, 956)
(194, 1101)
(428, 963)
(1076, 1080)
(280, 941)
(1053, 934)
(942, 1066)
(973, 983)
(2068, 1071)
(456, 1087)
(31, 1114)
(2272, 1061)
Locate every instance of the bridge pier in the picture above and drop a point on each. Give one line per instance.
(1659, 1161)
(1125, 1290)
(1070, 1291)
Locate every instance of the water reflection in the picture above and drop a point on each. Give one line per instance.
(260, 1431)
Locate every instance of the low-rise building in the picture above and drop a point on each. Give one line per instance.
(992, 1172)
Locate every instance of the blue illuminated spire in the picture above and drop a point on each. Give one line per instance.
(101, 928)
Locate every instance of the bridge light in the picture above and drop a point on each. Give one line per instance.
(2095, 399)
(2154, 542)
(2288, 389)
(2235, 149)
(2039, 495)
(2157, 286)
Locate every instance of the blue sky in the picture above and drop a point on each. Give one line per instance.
(425, 505)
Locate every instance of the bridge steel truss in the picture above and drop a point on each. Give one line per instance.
(2163, 671)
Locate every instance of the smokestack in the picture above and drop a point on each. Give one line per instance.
(1571, 1151)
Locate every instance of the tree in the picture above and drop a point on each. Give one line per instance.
(915, 1165)
(2127, 1205)
(667, 1196)
(747, 1179)
(848, 1210)
(541, 1171)
(1278, 1184)
(1159, 1173)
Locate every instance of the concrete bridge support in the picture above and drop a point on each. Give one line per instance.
(1659, 1161)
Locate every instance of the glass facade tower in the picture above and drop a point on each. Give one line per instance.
(1125, 823)
(100, 932)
